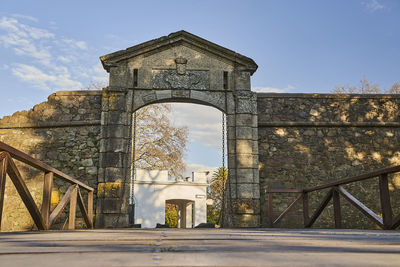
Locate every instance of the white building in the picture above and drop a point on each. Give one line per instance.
(153, 189)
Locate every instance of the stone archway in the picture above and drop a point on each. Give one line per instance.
(180, 67)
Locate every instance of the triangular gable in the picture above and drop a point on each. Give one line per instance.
(176, 38)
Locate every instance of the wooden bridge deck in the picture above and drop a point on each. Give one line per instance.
(201, 247)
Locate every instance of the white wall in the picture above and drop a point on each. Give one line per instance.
(152, 189)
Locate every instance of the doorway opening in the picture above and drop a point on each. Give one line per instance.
(178, 151)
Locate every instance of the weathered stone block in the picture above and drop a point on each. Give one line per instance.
(104, 220)
(109, 190)
(246, 146)
(246, 220)
(245, 191)
(245, 175)
(114, 174)
(246, 206)
(163, 94)
(112, 159)
(242, 80)
(118, 118)
(247, 161)
(245, 120)
(244, 133)
(115, 131)
(116, 101)
(180, 93)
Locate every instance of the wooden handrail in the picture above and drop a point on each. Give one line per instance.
(25, 158)
(42, 218)
(361, 177)
(336, 190)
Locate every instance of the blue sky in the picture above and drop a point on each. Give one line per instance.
(299, 46)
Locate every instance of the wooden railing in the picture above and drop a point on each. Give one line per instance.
(336, 190)
(42, 218)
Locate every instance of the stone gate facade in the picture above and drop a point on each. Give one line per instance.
(180, 67)
(274, 140)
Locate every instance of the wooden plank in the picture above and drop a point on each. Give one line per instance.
(283, 214)
(361, 207)
(46, 201)
(306, 216)
(25, 158)
(321, 207)
(355, 178)
(24, 193)
(385, 201)
(84, 211)
(396, 222)
(270, 211)
(336, 209)
(90, 208)
(72, 209)
(61, 206)
(3, 176)
(3, 155)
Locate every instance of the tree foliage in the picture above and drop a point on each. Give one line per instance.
(159, 144)
(216, 193)
(366, 87)
(171, 215)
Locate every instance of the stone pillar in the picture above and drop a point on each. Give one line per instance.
(243, 156)
(114, 166)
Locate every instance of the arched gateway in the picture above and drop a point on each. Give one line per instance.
(180, 67)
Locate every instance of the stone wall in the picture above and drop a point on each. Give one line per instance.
(62, 132)
(308, 139)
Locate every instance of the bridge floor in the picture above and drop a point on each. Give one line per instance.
(201, 247)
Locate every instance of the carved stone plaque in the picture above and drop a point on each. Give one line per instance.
(191, 79)
(181, 78)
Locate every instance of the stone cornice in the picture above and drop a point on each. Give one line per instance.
(51, 124)
(324, 96)
(328, 124)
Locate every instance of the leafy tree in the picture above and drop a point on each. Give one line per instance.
(366, 87)
(159, 144)
(171, 215)
(216, 193)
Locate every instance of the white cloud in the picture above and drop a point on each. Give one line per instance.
(194, 167)
(205, 122)
(79, 44)
(21, 38)
(64, 59)
(99, 74)
(48, 62)
(273, 89)
(20, 16)
(42, 80)
(373, 5)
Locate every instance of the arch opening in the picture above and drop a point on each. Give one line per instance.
(153, 186)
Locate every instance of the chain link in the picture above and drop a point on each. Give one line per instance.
(133, 170)
(223, 142)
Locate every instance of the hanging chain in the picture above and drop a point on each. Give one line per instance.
(133, 170)
(223, 141)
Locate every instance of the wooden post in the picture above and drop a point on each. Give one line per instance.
(72, 209)
(336, 209)
(3, 172)
(270, 211)
(387, 215)
(90, 207)
(46, 202)
(306, 216)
